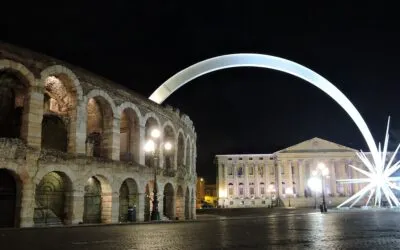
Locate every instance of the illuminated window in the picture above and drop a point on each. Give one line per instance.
(230, 189)
(241, 191)
(251, 170)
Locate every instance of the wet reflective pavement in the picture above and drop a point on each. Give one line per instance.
(278, 229)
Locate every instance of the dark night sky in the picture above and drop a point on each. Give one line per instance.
(242, 110)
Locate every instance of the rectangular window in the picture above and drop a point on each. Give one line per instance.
(251, 190)
(251, 170)
(230, 170)
(240, 190)
(262, 191)
(230, 191)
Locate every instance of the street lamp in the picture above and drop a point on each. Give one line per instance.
(289, 192)
(323, 171)
(314, 183)
(271, 189)
(151, 146)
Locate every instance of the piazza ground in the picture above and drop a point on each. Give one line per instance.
(235, 229)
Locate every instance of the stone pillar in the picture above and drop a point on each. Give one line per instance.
(141, 207)
(301, 178)
(115, 208)
(78, 201)
(113, 134)
(332, 176)
(31, 130)
(289, 174)
(107, 207)
(279, 179)
(142, 141)
(246, 180)
(81, 127)
(27, 205)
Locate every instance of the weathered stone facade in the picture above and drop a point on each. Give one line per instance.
(72, 147)
(252, 180)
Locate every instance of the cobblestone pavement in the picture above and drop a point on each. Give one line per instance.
(279, 229)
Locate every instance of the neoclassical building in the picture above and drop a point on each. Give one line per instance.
(72, 147)
(258, 179)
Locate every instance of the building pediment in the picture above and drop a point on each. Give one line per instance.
(316, 145)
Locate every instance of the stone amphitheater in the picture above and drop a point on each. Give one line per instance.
(72, 148)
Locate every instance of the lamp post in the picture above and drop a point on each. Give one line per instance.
(323, 172)
(151, 146)
(289, 192)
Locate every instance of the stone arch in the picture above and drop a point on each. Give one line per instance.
(151, 122)
(62, 70)
(188, 153)
(53, 199)
(100, 125)
(97, 200)
(10, 198)
(129, 134)
(168, 201)
(180, 203)
(128, 199)
(149, 115)
(180, 148)
(169, 156)
(187, 204)
(62, 96)
(15, 84)
(270, 62)
(6, 64)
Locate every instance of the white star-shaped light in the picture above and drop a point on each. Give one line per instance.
(379, 177)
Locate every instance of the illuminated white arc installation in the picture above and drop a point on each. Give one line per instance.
(270, 62)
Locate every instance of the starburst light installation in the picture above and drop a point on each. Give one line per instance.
(378, 177)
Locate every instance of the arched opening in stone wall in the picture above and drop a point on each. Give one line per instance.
(180, 205)
(53, 203)
(13, 98)
(97, 201)
(59, 114)
(129, 136)
(128, 198)
(181, 149)
(168, 201)
(151, 124)
(187, 204)
(188, 155)
(99, 128)
(54, 133)
(10, 199)
(169, 155)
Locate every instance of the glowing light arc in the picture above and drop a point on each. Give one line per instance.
(270, 62)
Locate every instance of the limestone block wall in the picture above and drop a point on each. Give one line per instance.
(62, 90)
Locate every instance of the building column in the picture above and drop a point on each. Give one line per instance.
(142, 141)
(141, 207)
(279, 179)
(113, 135)
(115, 207)
(301, 178)
(77, 206)
(332, 175)
(27, 205)
(81, 127)
(31, 130)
